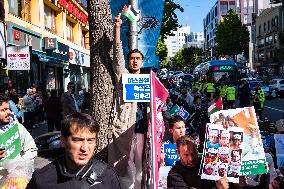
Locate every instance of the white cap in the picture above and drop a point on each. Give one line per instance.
(209, 166)
(223, 150)
(222, 165)
(225, 133)
(237, 136)
(236, 153)
(213, 132)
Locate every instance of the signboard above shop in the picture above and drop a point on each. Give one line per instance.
(20, 36)
(61, 53)
(78, 58)
(50, 43)
(18, 57)
(71, 8)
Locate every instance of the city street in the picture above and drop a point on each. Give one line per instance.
(274, 109)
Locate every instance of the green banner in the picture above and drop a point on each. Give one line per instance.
(253, 167)
(10, 141)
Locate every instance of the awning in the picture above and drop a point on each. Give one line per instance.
(43, 57)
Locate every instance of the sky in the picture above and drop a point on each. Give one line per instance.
(194, 12)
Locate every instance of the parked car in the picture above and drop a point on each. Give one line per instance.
(277, 85)
(268, 91)
(187, 77)
(179, 74)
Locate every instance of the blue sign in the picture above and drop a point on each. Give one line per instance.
(183, 113)
(136, 87)
(171, 154)
(149, 27)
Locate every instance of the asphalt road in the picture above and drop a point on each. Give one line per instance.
(273, 109)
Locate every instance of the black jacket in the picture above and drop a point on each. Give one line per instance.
(55, 176)
(181, 177)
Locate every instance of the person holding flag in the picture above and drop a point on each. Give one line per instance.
(129, 119)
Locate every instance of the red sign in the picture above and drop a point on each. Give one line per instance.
(71, 8)
(17, 35)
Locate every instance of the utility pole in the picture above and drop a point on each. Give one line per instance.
(133, 34)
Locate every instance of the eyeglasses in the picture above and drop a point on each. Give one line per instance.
(137, 58)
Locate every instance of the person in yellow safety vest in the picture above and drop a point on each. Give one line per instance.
(209, 90)
(231, 96)
(258, 97)
(222, 90)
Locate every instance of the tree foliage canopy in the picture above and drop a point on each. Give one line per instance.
(187, 57)
(170, 19)
(162, 52)
(169, 24)
(232, 37)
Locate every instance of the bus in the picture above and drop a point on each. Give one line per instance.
(217, 71)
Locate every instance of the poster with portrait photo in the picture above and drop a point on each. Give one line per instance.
(218, 154)
(253, 156)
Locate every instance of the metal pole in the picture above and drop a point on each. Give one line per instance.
(133, 33)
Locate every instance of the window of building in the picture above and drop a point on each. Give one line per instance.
(259, 29)
(216, 11)
(238, 6)
(245, 6)
(49, 19)
(85, 39)
(20, 8)
(272, 22)
(245, 19)
(276, 21)
(268, 25)
(232, 5)
(69, 30)
(264, 26)
(250, 6)
(223, 7)
(275, 38)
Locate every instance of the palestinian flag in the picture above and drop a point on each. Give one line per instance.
(129, 12)
(215, 107)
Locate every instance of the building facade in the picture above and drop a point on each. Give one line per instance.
(57, 33)
(245, 9)
(194, 39)
(268, 27)
(176, 42)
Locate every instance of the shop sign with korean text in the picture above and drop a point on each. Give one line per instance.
(136, 87)
(18, 57)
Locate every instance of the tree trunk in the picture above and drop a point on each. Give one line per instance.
(2, 10)
(102, 77)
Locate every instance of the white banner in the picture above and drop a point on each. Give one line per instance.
(2, 41)
(18, 58)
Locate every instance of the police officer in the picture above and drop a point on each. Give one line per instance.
(222, 90)
(258, 97)
(209, 90)
(231, 96)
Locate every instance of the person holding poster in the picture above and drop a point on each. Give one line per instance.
(184, 174)
(176, 129)
(16, 143)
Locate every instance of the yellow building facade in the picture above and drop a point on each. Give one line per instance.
(57, 32)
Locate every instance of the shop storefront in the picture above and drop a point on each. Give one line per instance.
(79, 69)
(24, 78)
(55, 58)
